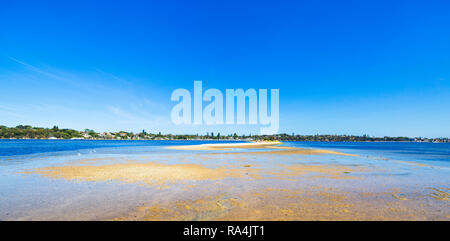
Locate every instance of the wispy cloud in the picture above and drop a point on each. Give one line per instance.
(94, 99)
(44, 72)
(10, 113)
(117, 78)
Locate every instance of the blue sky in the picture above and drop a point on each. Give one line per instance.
(342, 67)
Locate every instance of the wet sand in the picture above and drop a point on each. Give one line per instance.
(272, 183)
(316, 203)
(271, 146)
(213, 147)
(156, 174)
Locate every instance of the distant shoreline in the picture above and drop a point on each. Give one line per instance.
(221, 140)
(29, 132)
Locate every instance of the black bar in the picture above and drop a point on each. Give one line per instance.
(272, 230)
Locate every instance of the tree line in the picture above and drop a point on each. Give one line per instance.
(29, 132)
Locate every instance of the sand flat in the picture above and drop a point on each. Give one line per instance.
(212, 147)
(271, 147)
(150, 173)
(159, 174)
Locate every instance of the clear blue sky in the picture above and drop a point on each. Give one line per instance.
(342, 67)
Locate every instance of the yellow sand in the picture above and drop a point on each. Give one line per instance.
(290, 151)
(280, 150)
(149, 173)
(280, 204)
(158, 174)
(212, 147)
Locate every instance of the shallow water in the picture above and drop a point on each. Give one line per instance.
(389, 176)
(428, 153)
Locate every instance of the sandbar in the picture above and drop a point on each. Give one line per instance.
(271, 147)
(226, 146)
